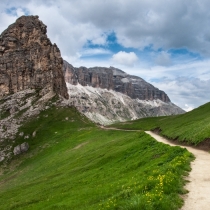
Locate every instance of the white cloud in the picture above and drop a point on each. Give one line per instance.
(5, 21)
(94, 51)
(163, 24)
(124, 58)
(184, 90)
(20, 12)
(100, 40)
(188, 108)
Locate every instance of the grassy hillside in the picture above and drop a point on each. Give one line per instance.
(192, 127)
(72, 164)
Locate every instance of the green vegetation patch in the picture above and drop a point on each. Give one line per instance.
(4, 114)
(192, 127)
(71, 164)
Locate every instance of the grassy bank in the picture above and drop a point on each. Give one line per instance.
(192, 127)
(71, 164)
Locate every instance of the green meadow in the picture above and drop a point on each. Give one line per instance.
(192, 127)
(72, 164)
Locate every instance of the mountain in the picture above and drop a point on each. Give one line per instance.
(30, 76)
(28, 59)
(108, 95)
(113, 79)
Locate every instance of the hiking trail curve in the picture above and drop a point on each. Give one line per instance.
(199, 177)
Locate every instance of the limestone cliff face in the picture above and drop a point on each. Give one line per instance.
(28, 59)
(113, 79)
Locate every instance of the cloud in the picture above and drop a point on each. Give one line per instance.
(100, 40)
(185, 90)
(163, 59)
(163, 24)
(94, 51)
(124, 58)
(188, 108)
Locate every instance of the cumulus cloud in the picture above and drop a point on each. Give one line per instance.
(124, 58)
(163, 24)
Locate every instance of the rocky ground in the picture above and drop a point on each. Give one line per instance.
(30, 75)
(17, 109)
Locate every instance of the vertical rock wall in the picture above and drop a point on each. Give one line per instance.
(28, 59)
(113, 79)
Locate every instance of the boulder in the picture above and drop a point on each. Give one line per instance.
(21, 148)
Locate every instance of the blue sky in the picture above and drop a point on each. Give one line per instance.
(167, 43)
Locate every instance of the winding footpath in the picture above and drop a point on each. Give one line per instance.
(198, 197)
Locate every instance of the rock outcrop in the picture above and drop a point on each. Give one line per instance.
(113, 79)
(21, 148)
(28, 59)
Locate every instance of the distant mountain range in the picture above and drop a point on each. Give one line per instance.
(107, 95)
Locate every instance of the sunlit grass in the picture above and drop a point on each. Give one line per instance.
(192, 127)
(72, 164)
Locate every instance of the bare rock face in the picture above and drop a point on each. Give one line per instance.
(28, 59)
(107, 106)
(113, 79)
(21, 148)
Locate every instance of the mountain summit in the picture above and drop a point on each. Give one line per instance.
(28, 59)
(113, 79)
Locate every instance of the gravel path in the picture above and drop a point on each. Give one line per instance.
(198, 197)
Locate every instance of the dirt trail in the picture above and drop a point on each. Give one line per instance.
(199, 185)
(199, 177)
(117, 129)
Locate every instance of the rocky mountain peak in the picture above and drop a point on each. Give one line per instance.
(28, 59)
(117, 71)
(113, 79)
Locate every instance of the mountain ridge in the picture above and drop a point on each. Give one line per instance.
(108, 106)
(115, 79)
(109, 95)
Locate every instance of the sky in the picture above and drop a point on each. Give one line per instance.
(165, 42)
